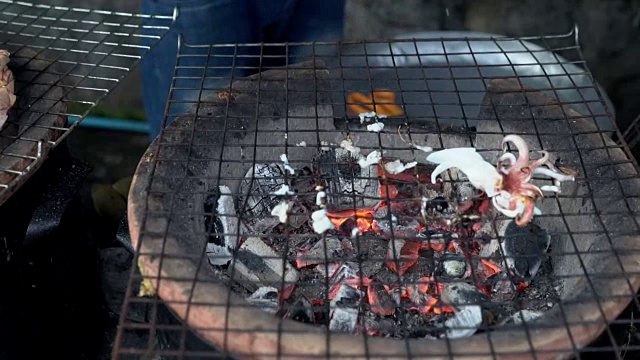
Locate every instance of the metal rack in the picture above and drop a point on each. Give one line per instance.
(65, 60)
(233, 106)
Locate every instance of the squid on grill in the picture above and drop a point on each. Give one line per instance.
(507, 185)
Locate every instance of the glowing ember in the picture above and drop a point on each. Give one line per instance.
(363, 219)
(491, 267)
(408, 255)
(381, 302)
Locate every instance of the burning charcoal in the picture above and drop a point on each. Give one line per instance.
(265, 225)
(524, 248)
(454, 266)
(301, 310)
(258, 265)
(344, 309)
(327, 269)
(348, 184)
(464, 323)
(257, 187)
(369, 325)
(381, 302)
(398, 229)
(265, 298)
(401, 255)
(345, 271)
(503, 290)
(343, 320)
(323, 251)
(461, 293)
(222, 226)
(347, 294)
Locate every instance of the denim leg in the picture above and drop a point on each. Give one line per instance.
(200, 22)
(314, 21)
(299, 21)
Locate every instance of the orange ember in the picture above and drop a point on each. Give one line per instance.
(432, 305)
(407, 258)
(437, 246)
(522, 286)
(491, 267)
(381, 302)
(390, 190)
(363, 218)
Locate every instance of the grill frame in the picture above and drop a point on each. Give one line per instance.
(310, 342)
(77, 54)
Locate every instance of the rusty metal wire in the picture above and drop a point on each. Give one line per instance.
(65, 60)
(238, 105)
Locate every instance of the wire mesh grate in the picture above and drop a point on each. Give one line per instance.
(65, 61)
(287, 210)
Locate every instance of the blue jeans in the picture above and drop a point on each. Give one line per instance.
(205, 22)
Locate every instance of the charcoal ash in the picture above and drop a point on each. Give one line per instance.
(345, 309)
(462, 293)
(464, 323)
(265, 298)
(301, 310)
(222, 225)
(324, 250)
(527, 316)
(256, 265)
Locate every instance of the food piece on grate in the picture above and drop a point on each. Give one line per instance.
(348, 185)
(7, 96)
(266, 298)
(257, 191)
(507, 184)
(524, 249)
(464, 323)
(222, 226)
(256, 265)
(397, 166)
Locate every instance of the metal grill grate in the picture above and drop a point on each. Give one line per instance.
(239, 107)
(65, 61)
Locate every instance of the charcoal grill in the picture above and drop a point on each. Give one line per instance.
(543, 93)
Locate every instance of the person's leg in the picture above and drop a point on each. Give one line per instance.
(298, 21)
(200, 22)
(314, 21)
